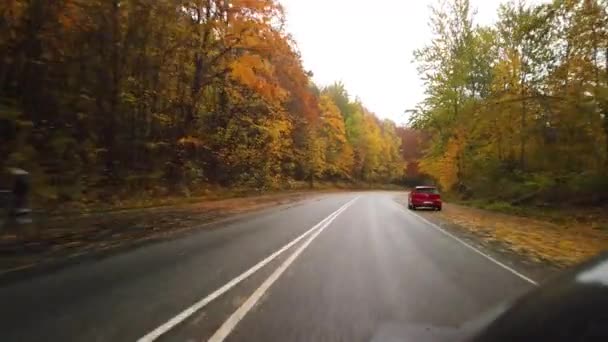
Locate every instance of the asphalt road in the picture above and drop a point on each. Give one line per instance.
(345, 267)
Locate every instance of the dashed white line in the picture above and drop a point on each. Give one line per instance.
(445, 232)
(170, 324)
(231, 323)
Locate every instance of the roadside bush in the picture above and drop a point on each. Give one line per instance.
(500, 206)
(588, 187)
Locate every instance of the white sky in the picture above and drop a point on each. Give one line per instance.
(368, 45)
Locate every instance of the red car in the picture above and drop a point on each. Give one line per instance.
(424, 197)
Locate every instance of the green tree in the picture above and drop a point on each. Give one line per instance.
(516, 110)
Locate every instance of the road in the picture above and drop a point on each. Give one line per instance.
(341, 267)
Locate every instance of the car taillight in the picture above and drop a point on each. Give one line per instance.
(435, 196)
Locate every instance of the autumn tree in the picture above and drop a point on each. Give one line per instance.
(119, 98)
(516, 110)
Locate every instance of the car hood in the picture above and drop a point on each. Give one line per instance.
(420, 332)
(417, 333)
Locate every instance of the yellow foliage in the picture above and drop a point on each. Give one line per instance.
(254, 72)
(333, 123)
(445, 167)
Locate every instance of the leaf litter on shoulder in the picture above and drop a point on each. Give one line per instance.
(73, 236)
(561, 244)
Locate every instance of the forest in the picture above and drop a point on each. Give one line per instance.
(517, 111)
(106, 99)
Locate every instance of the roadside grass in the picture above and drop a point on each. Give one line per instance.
(596, 217)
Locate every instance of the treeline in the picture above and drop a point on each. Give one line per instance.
(103, 98)
(518, 110)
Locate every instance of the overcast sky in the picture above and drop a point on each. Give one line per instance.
(368, 45)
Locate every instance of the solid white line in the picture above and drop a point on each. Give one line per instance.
(445, 232)
(240, 313)
(156, 333)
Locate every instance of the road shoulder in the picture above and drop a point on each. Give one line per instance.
(480, 235)
(69, 240)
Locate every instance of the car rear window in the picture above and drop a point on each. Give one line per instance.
(427, 190)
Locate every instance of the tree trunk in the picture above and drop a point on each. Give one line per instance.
(109, 130)
(311, 180)
(32, 77)
(522, 147)
(605, 110)
(594, 43)
(523, 135)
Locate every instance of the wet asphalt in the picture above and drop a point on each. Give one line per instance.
(376, 272)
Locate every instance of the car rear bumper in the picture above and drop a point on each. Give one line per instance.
(430, 204)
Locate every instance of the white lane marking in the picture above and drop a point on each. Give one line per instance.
(445, 232)
(234, 319)
(170, 324)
